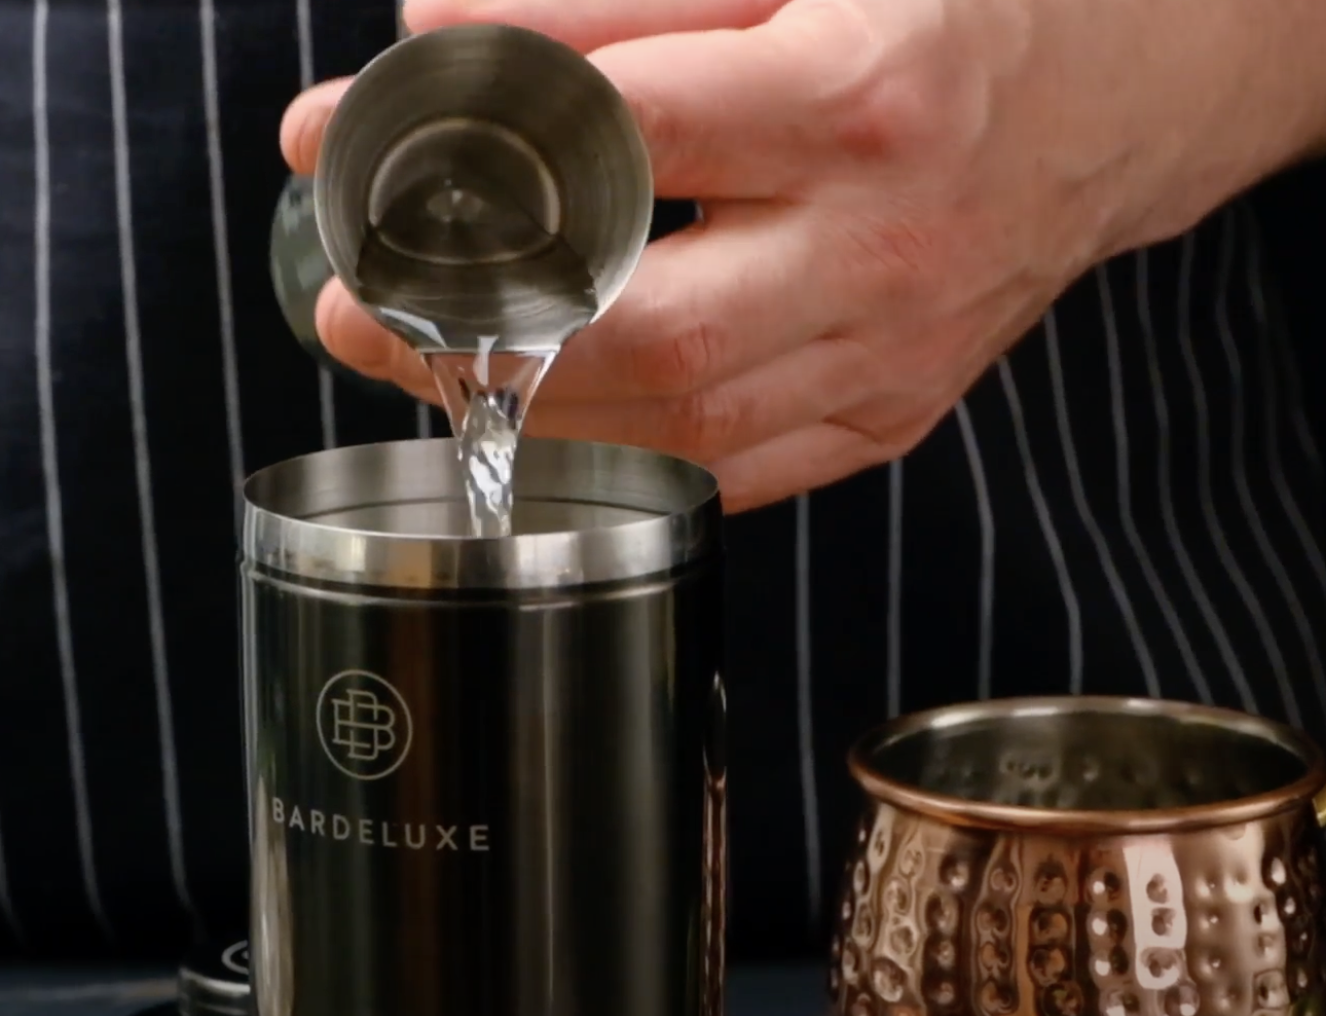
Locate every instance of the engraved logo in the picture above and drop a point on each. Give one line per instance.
(364, 725)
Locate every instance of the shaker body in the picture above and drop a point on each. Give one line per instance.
(485, 801)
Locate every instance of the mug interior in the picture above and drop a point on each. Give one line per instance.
(1084, 758)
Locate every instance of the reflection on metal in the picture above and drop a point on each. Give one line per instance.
(1083, 857)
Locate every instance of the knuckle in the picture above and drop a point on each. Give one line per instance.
(702, 425)
(665, 136)
(895, 98)
(861, 129)
(874, 123)
(677, 362)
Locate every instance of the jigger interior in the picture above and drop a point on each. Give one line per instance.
(529, 119)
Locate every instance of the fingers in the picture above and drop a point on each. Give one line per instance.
(792, 464)
(877, 429)
(305, 121)
(363, 345)
(704, 306)
(719, 110)
(587, 25)
(807, 385)
(732, 114)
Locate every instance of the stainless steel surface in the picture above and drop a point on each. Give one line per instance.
(791, 989)
(476, 799)
(299, 265)
(530, 118)
(1083, 856)
(299, 270)
(214, 980)
(585, 513)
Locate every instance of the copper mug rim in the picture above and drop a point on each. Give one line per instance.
(958, 811)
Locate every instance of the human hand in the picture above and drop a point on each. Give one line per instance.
(893, 194)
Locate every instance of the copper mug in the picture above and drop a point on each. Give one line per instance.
(1083, 856)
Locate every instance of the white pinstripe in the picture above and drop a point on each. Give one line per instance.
(1216, 531)
(1242, 488)
(985, 511)
(51, 470)
(6, 897)
(304, 31)
(326, 382)
(1270, 390)
(895, 588)
(1123, 471)
(1298, 417)
(1165, 485)
(327, 406)
(221, 253)
(142, 458)
(810, 811)
(423, 420)
(1071, 606)
(1300, 421)
(1084, 511)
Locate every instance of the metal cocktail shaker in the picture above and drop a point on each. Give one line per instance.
(486, 775)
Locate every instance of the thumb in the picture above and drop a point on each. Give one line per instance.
(587, 25)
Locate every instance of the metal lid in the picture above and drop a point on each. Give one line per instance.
(300, 270)
(214, 981)
(299, 265)
(395, 515)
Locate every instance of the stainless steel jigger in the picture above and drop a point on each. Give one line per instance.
(536, 124)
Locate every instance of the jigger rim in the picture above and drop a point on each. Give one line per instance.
(962, 812)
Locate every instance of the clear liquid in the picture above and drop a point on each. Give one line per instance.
(486, 397)
(454, 258)
(455, 262)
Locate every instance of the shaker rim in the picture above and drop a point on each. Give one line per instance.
(673, 509)
(963, 812)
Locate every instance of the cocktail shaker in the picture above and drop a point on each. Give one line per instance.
(486, 775)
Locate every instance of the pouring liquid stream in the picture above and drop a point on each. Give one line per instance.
(486, 396)
(455, 246)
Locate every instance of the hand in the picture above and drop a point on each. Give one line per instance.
(894, 192)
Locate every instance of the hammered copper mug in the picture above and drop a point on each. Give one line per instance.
(1083, 856)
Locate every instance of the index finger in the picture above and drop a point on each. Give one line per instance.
(706, 305)
(733, 114)
(305, 121)
(587, 25)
